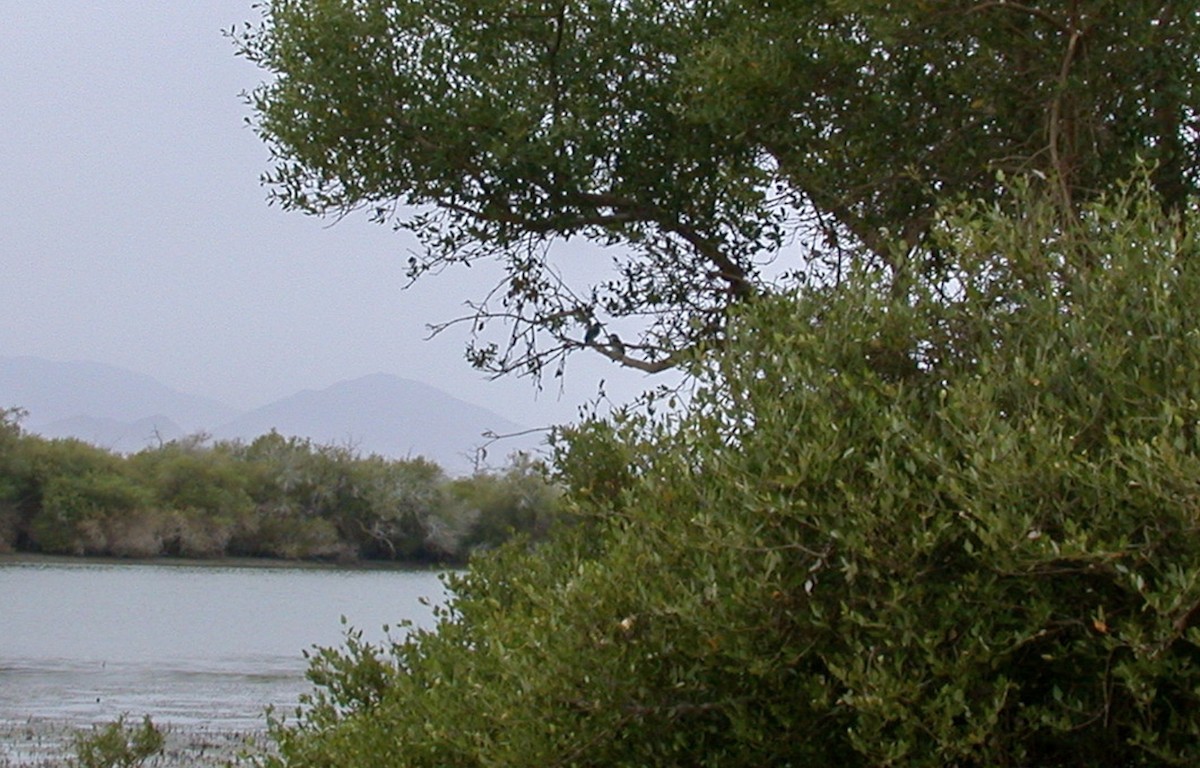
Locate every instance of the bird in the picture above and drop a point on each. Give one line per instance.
(614, 344)
(592, 333)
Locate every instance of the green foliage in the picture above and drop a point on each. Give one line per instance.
(389, 508)
(879, 112)
(117, 745)
(88, 503)
(187, 474)
(13, 473)
(700, 136)
(10, 429)
(275, 497)
(597, 459)
(925, 521)
(518, 500)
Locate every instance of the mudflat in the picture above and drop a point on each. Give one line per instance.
(42, 743)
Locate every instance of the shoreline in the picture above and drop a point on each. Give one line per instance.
(45, 743)
(249, 563)
(211, 708)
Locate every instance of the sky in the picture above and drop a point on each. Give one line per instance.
(134, 230)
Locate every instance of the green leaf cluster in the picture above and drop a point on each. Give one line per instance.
(705, 138)
(117, 745)
(902, 522)
(273, 497)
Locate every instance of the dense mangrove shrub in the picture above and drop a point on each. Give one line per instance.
(517, 500)
(276, 496)
(12, 476)
(89, 503)
(938, 516)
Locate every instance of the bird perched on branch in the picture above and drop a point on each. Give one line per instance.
(592, 333)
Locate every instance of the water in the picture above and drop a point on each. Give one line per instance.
(198, 648)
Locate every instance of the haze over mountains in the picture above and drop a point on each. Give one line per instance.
(382, 414)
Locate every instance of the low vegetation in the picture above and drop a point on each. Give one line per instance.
(274, 497)
(118, 745)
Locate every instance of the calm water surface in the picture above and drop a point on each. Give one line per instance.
(206, 646)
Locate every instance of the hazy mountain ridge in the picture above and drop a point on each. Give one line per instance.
(113, 434)
(53, 391)
(384, 414)
(380, 413)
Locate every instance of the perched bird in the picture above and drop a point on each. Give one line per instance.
(592, 333)
(615, 345)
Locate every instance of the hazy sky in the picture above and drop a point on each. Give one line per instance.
(134, 231)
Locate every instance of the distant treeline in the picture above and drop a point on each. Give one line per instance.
(279, 497)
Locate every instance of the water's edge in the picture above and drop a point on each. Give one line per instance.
(252, 563)
(202, 647)
(47, 744)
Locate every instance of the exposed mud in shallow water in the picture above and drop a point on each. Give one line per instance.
(41, 743)
(207, 712)
(208, 718)
(203, 651)
(231, 698)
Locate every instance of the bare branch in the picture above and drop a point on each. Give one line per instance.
(649, 366)
(1055, 121)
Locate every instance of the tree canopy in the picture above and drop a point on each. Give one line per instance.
(933, 500)
(708, 139)
(280, 497)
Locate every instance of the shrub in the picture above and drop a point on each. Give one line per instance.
(117, 745)
(301, 539)
(136, 533)
(9, 523)
(385, 507)
(199, 534)
(190, 475)
(88, 502)
(12, 477)
(949, 519)
(495, 506)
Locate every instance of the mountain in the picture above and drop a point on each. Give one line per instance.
(382, 414)
(53, 392)
(387, 415)
(120, 436)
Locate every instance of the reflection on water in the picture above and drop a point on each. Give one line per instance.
(206, 646)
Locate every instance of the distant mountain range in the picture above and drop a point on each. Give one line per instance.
(381, 414)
